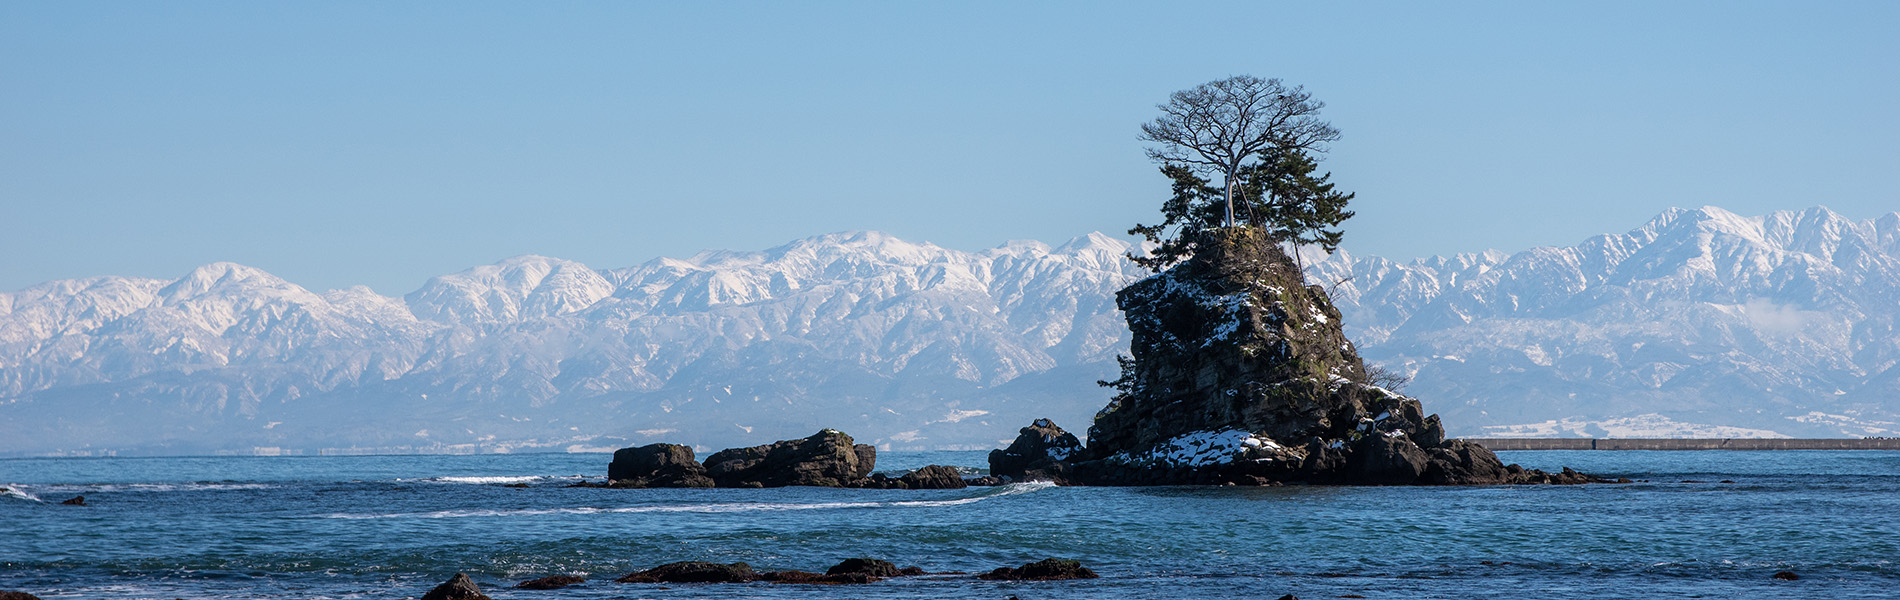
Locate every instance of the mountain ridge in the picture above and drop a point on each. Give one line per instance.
(1699, 320)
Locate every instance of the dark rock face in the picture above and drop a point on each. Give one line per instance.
(865, 566)
(934, 477)
(552, 582)
(459, 587)
(807, 577)
(694, 572)
(1048, 569)
(827, 458)
(1039, 452)
(657, 465)
(17, 596)
(1242, 373)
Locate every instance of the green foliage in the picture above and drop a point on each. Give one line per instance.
(1285, 198)
(1278, 193)
(1126, 384)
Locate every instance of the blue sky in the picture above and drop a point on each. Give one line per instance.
(346, 143)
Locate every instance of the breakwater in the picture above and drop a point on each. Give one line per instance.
(1499, 444)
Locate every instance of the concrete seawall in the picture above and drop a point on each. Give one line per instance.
(1496, 444)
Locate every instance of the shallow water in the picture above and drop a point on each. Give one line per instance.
(394, 526)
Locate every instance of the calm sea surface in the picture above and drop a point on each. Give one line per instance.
(394, 526)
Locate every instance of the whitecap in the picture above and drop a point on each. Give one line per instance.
(714, 507)
(12, 491)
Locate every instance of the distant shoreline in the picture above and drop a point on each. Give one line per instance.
(1504, 444)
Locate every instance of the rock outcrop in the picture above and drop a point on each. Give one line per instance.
(657, 465)
(1048, 569)
(459, 587)
(1242, 373)
(827, 458)
(17, 596)
(934, 477)
(1040, 451)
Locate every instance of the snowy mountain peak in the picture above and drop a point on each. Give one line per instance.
(522, 287)
(1698, 321)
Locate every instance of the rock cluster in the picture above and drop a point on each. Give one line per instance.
(1241, 373)
(828, 458)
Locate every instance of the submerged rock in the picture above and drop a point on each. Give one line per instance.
(657, 465)
(693, 572)
(4, 595)
(807, 577)
(827, 458)
(1242, 373)
(1040, 452)
(1048, 569)
(551, 582)
(459, 587)
(75, 501)
(934, 477)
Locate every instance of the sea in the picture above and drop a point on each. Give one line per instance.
(1699, 524)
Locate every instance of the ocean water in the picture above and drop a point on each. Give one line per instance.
(395, 526)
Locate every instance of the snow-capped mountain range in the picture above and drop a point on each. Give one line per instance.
(1700, 323)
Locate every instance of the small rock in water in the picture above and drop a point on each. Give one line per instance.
(867, 566)
(694, 572)
(75, 501)
(1289, 597)
(552, 582)
(459, 587)
(17, 596)
(1048, 569)
(1786, 575)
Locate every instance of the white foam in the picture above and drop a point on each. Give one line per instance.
(12, 491)
(87, 488)
(490, 479)
(721, 507)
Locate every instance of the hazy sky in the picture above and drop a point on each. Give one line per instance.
(379, 143)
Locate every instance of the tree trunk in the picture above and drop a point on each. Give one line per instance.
(1230, 199)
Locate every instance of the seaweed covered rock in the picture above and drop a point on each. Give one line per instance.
(1242, 373)
(827, 458)
(1040, 451)
(657, 465)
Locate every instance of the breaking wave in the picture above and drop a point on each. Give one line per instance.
(710, 507)
(11, 491)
